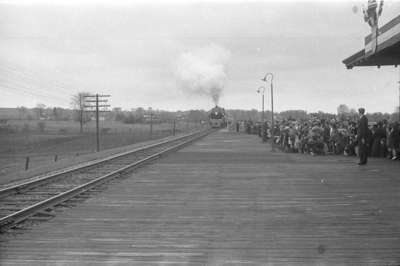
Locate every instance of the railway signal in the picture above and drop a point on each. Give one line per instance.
(94, 103)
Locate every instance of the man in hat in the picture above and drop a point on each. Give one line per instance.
(362, 137)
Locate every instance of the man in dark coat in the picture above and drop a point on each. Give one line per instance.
(362, 137)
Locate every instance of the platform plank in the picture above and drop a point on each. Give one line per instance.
(228, 200)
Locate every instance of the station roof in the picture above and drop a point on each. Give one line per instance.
(388, 48)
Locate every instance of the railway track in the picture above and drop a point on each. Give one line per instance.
(37, 197)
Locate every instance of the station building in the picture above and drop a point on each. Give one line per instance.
(381, 46)
(382, 50)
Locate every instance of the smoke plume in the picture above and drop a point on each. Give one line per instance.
(202, 71)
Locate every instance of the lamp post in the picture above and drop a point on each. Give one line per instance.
(261, 90)
(269, 78)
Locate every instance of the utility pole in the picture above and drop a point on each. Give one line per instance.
(97, 124)
(81, 121)
(151, 125)
(81, 108)
(96, 99)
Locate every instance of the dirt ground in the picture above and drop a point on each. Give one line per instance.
(61, 141)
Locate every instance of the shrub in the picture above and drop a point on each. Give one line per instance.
(129, 119)
(26, 128)
(7, 129)
(105, 130)
(63, 130)
(41, 126)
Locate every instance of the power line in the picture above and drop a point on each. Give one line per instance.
(15, 88)
(28, 73)
(19, 72)
(23, 75)
(32, 84)
(29, 89)
(13, 66)
(32, 88)
(18, 91)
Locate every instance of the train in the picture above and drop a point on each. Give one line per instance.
(217, 117)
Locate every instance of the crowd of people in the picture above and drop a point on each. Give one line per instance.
(330, 136)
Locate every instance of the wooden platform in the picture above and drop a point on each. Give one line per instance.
(228, 200)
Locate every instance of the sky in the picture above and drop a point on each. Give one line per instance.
(51, 50)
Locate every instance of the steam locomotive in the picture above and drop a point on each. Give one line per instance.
(217, 117)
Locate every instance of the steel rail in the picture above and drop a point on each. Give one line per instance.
(17, 217)
(47, 177)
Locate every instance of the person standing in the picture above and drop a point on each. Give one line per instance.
(379, 141)
(394, 136)
(362, 137)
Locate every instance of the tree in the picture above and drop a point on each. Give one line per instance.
(118, 114)
(129, 118)
(78, 104)
(343, 112)
(196, 115)
(23, 111)
(139, 114)
(166, 116)
(56, 113)
(40, 110)
(343, 109)
(253, 114)
(294, 114)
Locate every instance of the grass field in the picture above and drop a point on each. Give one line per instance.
(62, 139)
